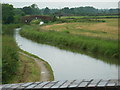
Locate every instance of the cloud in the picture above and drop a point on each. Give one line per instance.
(5, 1)
(66, 3)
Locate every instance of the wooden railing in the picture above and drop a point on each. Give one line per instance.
(73, 84)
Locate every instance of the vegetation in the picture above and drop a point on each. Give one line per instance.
(66, 11)
(51, 78)
(35, 21)
(7, 13)
(70, 41)
(16, 68)
(28, 70)
(9, 54)
(105, 30)
(87, 32)
(15, 65)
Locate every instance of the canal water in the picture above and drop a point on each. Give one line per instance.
(68, 65)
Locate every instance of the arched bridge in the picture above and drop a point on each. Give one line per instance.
(28, 19)
(73, 84)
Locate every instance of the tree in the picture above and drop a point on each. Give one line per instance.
(18, 12)
(7, 13)
(46, 11)
(35, 9)
(34, 6)
(31, 10)
(27, 10)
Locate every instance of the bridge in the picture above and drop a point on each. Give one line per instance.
(28, 19)
(84, 84)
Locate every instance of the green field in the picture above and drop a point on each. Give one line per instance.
(104, 16)
(106, 30)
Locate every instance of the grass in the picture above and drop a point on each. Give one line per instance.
(28, 70)
(17, 68)
(9, 53)
(78, 43)
(107, 30)
(88, 16)
(51, 78)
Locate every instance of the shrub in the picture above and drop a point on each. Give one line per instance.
(9, 53)
(35, 21)
(66, 31)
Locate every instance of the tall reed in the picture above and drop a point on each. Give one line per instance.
(75, 42)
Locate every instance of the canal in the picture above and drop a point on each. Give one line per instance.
(68, 65)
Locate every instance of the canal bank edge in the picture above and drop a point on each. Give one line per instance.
(48, 67)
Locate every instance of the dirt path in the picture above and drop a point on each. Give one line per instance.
(44, 73)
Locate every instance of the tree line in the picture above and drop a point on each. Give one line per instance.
(87, 10)
(11, 14)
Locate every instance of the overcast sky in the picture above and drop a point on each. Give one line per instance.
(64, 3)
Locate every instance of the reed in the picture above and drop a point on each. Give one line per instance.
(77, 43)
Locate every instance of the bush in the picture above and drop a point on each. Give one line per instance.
(9, 53)
(9, 58)
(35, 21)
(66, 31)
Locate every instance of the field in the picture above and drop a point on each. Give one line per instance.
(106, 30)
(80, 17)
(98, 38)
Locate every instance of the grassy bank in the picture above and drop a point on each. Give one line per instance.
(10, 56)
(17, 68)
(51, 78)
(28, 70)
(78, 43)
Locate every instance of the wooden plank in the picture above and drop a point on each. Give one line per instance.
(75, 83)
(17, 85)
(49, 85)
(33, 85)
(78, 84)
(1, 87)
(94, 83)
(102, 83)
(24, 85)
(118, 82)
(57, 85)
(5, 85)
(112, 83)
(84, 83)
(66, 84)
(9, 85)
(41, 84)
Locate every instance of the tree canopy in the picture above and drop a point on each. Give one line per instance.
(7, 13)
